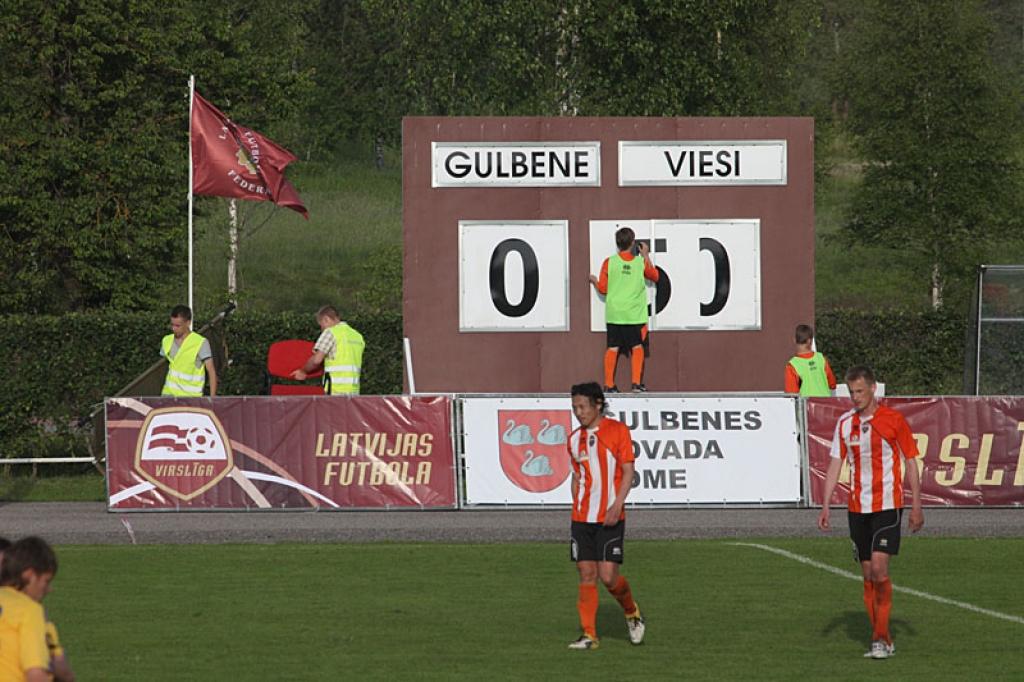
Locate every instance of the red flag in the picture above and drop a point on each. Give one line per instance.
(229, 160)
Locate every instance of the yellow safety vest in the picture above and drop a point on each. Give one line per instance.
(341, 372)
(183, 378)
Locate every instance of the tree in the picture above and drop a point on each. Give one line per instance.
(936, 124)
(379, 60)
(93, 137)
(669, 58)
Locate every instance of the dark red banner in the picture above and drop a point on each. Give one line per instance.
(289, 452)
(972, 449)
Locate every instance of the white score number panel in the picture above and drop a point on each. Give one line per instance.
(513, 275)
(709, 272)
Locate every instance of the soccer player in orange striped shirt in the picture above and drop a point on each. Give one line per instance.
(601, 451)
(877, 442)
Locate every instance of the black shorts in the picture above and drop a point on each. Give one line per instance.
(626, 336)
(597, 542)
(875, 532)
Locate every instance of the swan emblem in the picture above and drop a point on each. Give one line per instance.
(538, 465)
(517, 435)
(551, 435)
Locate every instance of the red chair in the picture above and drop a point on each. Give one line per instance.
(283, 358)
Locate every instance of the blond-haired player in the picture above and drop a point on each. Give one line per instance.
(877, 442)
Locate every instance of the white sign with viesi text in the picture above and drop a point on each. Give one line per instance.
(746, 162)
(512, 164)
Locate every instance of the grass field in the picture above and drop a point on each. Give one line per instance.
(715, 611)
(87, 486)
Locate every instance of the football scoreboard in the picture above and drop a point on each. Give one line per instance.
(505, 219)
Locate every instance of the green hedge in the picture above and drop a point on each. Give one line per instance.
(914, 353)
(62, 367)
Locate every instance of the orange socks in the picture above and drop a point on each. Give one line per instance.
(610, 356)
(624, 595)
(869, 600)
(637, 358)
(586, 604)
(883, 605)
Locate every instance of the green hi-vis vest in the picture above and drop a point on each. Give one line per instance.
(813, 380)
(341, 373)
(626, 301)
(183, 378)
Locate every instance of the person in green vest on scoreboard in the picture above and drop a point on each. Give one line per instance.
(808, 372)
(625, 305)
(340, 350)
(189, 357)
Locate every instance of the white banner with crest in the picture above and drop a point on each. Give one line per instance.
(688, 449)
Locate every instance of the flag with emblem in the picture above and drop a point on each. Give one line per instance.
(230, 160)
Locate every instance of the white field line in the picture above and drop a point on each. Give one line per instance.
(898, 588)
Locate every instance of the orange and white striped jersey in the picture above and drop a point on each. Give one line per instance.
(597, 457)
(873, 446)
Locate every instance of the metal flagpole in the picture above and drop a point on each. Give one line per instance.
(191, 97)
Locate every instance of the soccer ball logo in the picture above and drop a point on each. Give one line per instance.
(200, 440)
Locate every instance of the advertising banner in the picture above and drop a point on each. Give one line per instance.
(287, 452)
(972, 451)
(688, 450)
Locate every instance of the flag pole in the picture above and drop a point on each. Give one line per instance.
(191, 98)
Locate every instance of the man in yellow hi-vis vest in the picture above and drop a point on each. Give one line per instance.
(189, 356)
(340, 350)
(622, 282)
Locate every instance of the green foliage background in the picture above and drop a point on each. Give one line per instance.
(94, 135)
(938, 129)
(62, 367)
(917, 107)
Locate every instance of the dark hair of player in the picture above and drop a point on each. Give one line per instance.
(804, 333)
(591, 390)
(27, 553)
(624, 237)
(860, 372)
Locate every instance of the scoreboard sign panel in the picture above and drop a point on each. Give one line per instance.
(505, 220)
(709, 272)
(516, 165)
(751, 162)
(716, 273)
(513, 276)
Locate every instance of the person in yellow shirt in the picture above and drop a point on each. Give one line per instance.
(26, 571)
